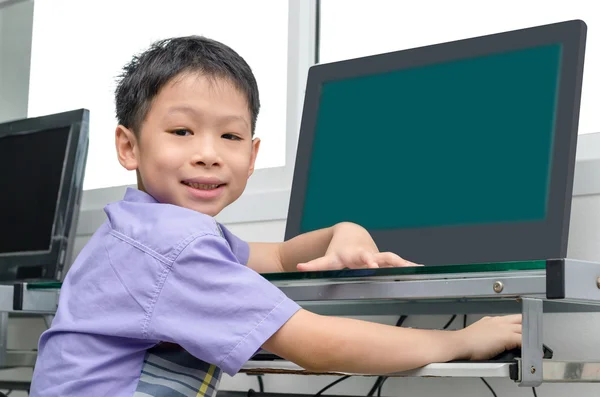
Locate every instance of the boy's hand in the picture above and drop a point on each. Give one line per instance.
(355, 258)
(491, 336)
(353, 247)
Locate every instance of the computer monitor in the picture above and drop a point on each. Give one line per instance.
(455, 153)
(43, 163)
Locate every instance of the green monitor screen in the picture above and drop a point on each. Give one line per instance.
(456, 153)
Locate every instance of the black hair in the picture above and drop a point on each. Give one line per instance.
(147, 73)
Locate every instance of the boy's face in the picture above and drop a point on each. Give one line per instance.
(195, 148)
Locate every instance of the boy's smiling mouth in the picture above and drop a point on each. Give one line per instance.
(202, 186)
(209, 183)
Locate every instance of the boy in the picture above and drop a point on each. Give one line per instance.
(163, 298)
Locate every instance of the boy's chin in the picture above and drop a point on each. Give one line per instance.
(210, 210)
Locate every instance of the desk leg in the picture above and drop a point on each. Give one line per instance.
(532, 351)
(3, 337)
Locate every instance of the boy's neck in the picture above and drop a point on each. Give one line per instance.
(140, 184)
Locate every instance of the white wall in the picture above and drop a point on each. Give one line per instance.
(15, 54)
(2, 38)
(15, 47)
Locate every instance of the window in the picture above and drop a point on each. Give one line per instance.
(79, 48)
(378, 26)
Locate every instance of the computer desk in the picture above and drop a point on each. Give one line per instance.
(529, 287)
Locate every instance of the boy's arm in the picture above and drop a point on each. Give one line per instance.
(283, 257)
(321, 344)
(342, 245)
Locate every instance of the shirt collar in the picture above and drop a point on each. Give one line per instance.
(137, 196)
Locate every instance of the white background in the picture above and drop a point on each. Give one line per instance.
(79, 48)
(353, 28)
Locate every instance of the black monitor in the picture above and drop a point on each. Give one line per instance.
(43, 163)
(456, 153)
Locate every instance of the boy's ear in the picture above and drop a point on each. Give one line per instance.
(127, 149)
(255, 147)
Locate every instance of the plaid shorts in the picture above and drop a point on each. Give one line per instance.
(173, 372)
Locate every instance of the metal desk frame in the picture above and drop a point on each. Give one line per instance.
(527, 292)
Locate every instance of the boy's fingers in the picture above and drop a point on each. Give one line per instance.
(514, 318)
(389, 259)
(322, 263)
(515, 341)
(368, 259)
(386, 259)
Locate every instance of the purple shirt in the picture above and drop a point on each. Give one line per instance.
(156, 273)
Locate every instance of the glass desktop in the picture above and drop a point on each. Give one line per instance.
(347, 274)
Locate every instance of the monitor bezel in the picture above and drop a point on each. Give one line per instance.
(476, 243)
(48, 265)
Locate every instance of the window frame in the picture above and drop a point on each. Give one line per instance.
(268, 190)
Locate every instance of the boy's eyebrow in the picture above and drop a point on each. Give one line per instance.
(196, 113)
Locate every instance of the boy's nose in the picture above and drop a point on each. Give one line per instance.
(206, 155)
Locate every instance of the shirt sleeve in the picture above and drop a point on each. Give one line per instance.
(217, 309)
(239, 247)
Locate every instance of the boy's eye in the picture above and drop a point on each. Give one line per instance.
(231, 137)
(181, 132)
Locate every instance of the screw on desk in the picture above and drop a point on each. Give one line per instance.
(498, 286)
(533, 370)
